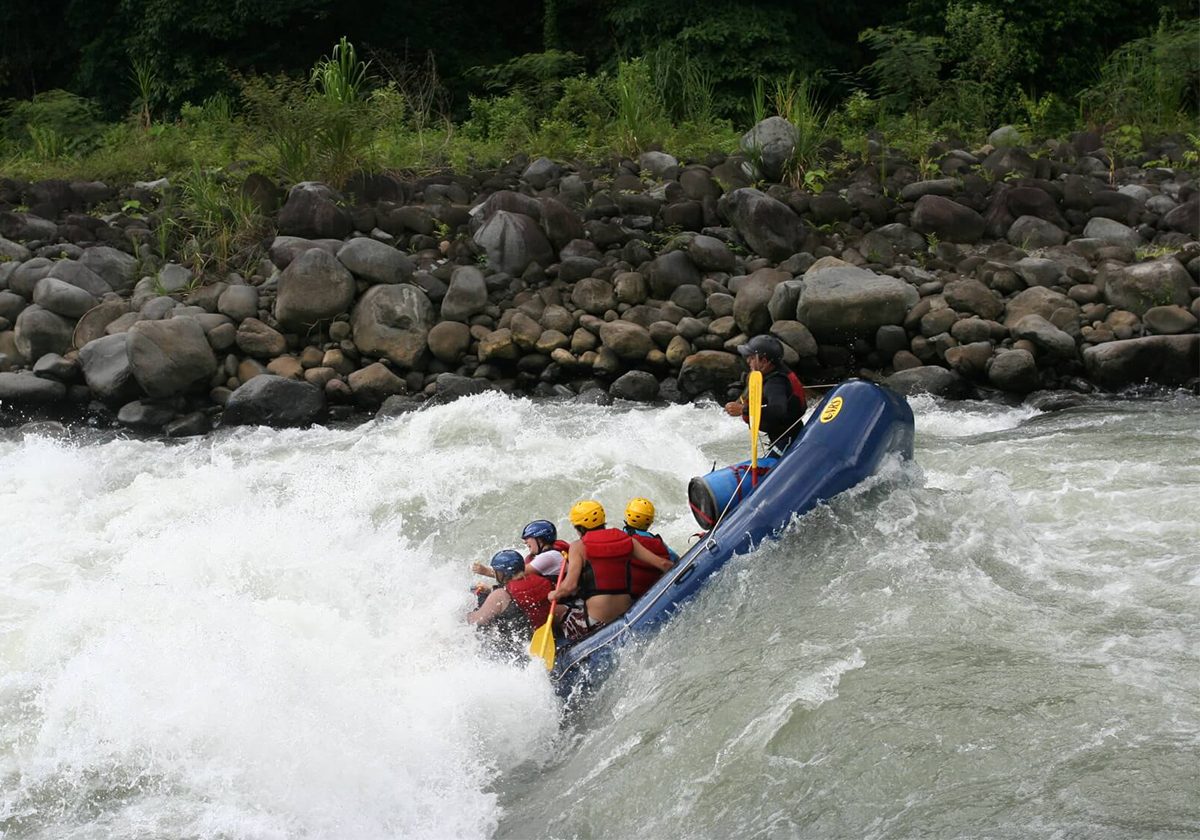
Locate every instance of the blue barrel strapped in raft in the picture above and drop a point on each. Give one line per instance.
(713, 495)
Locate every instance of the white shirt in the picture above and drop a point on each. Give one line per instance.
(547, 563)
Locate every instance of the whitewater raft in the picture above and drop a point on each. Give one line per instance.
(854, 428)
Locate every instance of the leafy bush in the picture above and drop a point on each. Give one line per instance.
(1150, 81)
(906, 69)
(53, 124)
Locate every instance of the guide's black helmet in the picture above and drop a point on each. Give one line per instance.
(767, 346)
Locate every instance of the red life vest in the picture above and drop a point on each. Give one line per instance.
(529, 593)
(642, 575)
(798, 390)
(609, 552)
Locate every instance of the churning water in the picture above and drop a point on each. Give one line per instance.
(259, 635)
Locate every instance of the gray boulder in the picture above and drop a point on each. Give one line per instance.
(1169, 320)
(750, 304)
(174, 278)
(1014, 370)
(669, 271)
(62, 298)
(313, 214)
(314, 288)
(466, 296)
(1112, 232)
(373, 384)
(1036, 271)
(708, 370)
(375, 262)
(784, 299)
(26, 389)
(636, 385)
(116, 268)
(771, 144)
(1185, 218)
(594, 296)
(1055, 307)
(39, 331)
(1030, 233)
(628, 340)
(25, 277)
(170, 357)
(710, 254)
(449, 341)
(540, 172)
(77, 274)
(946, 219)
(659, 164)
(146, 415)
(928, 379)
(842, 301)
(1045, 335)
(1166, 359)
(269, 400)
(393, 322)
(770, 227)
(970, 295)
(107, 369)
(238, 303)
(513, 241)
(257, 339)
(284, 249)
(1138, 288)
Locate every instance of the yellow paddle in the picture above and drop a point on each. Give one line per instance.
(755, 389)
(542, 643)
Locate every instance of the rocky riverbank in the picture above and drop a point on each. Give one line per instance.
(1007, 269)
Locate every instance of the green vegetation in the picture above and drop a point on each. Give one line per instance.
(575, 83)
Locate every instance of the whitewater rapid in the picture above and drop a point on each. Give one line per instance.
(258, 635)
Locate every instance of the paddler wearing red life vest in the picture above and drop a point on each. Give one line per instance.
(639, 516)
(526, 590)
(783, 403)
(609, 552)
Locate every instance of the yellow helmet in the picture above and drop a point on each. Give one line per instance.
(639, 513)
(587, 514)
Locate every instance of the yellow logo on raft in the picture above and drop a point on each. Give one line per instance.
(831, 410)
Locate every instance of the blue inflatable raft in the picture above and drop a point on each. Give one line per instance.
(843, 443)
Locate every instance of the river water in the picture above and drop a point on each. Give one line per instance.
(258, 635)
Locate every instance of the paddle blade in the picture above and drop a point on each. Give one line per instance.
(755, 387)
(542, 644)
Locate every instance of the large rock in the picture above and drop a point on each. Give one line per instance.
(26, 389)
(946, 219)
(771, 144)
(670, 271)
(770, 227)
(1185, 218)
(393, 322)
(466, 296)
(1031, 233)
(39, 331)
(25, 277)
(513, 241)
(374, 384)
(375, 262)
(268, 400)
(1167, 359)
(449, 341)
(709, 369)
(1014, 370)
(238, 303)
(928, 379)
(1055, 307)
(254, 338)
(710, 254)
(284, 249)
(107, 369)
(116, 268)
(750, 310)
(628, 340)
(1045, 335)
(311, 213)
(79, 275)
(1112, 232)
(842, 302)
(636, 385)
(170, 357)
(314, 288)
(594, 296)
(970, 295)
(1138, 288)
(62, 298)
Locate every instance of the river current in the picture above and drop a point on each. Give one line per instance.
(259, 634)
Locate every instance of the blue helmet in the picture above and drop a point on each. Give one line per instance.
(508, 563)
(540, 529)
